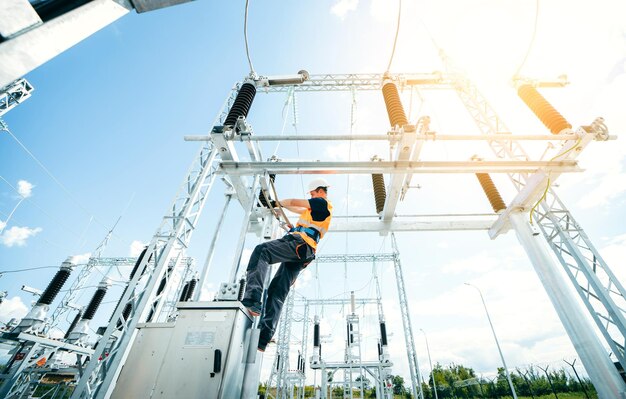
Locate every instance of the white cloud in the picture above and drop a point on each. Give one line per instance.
(82, 258)
(25, 188)
(607, 188)
(136, 247)
(2, 224)
(18, 235)
(12, 308)
(343, 7)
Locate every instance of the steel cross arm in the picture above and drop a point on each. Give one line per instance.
(407, 149)
(362, 301)
(370, 258)
(379, 226)
(54, 344)
(428, 136)
(14, 94)
(369, 167)
(366, 81)
(337, 365)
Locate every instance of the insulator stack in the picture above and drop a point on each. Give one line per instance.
(380, 193)
(316, 334)
(397, 117)
(69, 330)
(242, 289)
(277, 362)
(491, 192)
(299, 362)
(380, 349)
(548, 115)
(188, 290)
(383, 333)
(139, 259)
(95, 302)
(55, 286)
(125, 313)
(241, 105)
(262, 199)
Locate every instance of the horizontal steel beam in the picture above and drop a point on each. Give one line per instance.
(370, 258)
(369, 167)
(337, 301)
(345, 226)
(390, 137)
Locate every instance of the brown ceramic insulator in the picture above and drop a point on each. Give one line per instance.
(491, 192)
(380, 194)
(548, 115)
(397, 117)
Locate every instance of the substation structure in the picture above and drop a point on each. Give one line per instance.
(208, 349)
(355, 370)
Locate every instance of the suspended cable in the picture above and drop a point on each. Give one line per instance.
(532, 40)
(245, 35)
(395, 40)
(41, 209)
(285, 115)
(45, 169)
(29, 269)
(8, 219)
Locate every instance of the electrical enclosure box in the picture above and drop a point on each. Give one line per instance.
(201, 355)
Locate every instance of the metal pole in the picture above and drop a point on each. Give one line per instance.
(578, 377)
(432, 372)
(594, 357)
(211, 252)
(506, 370)
(244, 230)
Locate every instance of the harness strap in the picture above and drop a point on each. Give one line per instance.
(314, 234)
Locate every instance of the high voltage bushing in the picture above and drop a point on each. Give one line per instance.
(242, 289)
(316, 334)
(95, 302)
(69, 330)
(548, 115)
(262, 199)
(188, 289)
(55, 286)
(162, 284)
(383, 333)
(380, 193)
(491, 192)
(241, 105)
(125, 313)
(397, 117)
(132, 274)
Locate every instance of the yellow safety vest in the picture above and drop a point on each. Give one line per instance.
(306, 221)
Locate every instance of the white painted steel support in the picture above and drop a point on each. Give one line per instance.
(601, 292)
(601, 370)
(407, 149)
(495, 337)
(209, 257)
(426, 136)
(233, 168)
(426, 224)
(416, 385)
(25, 52)
(430, 362)
(249, 211)
(172, 237)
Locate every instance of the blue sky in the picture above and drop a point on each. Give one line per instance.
(107, 119)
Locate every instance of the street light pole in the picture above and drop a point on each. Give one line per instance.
(432, 373)
(506, 370)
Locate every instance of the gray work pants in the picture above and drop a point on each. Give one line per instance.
(294, 254)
